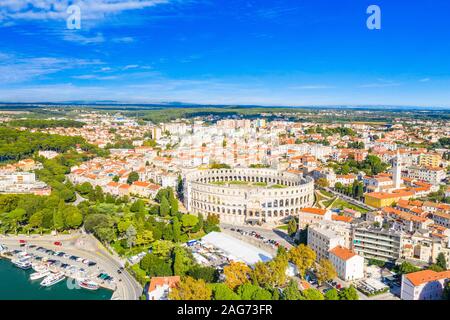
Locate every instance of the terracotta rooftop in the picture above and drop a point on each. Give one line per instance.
(425, 276)
(342, 253)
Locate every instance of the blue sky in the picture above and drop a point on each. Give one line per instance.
(268, 52)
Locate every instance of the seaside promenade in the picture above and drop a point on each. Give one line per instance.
(87, 247)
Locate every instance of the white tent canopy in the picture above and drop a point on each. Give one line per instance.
(236, 249)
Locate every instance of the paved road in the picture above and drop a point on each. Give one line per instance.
(86, 246)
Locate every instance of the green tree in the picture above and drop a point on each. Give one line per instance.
(132, 177)
(173, 201)
(181, 261)
(261, 294)
(441, 261)
(188, 221)
(162, 248)
(36, 220)
(246, 291)
(291, 292)
(292, 227)
(191, 289)
(176, 229)
(58, 219)
(209, 274)
(303, 257)
(17, 216)
(325, 271)
(312, 294)
(407, 267)
(72, 217)
(222, 292)
(236, 274)
(332, 294)
(137, 206)
(156, 266)
(167, 233)
(84, 189)
(144, 238)
(164, 208)
(349, 293)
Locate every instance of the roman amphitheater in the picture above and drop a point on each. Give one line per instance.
(247, 195)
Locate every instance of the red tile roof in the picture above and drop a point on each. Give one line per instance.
(160, 281)
(425, 276)
(342, 253)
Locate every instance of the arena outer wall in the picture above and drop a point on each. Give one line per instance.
(238, 204)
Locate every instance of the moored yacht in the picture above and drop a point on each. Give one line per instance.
(39, 267)
(87, 284)
(24, 264)
(53, 279)
(39, 275)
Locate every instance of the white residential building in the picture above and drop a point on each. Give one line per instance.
(326, 235)
(349, 266)
(159, 287)
(424, 285)
(433, 175)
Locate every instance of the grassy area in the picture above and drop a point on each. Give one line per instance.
(327, 203)
(260, 184)
(326, 193)
(283, 227)
(238, 182)
(242, 183)
(277, 186)
(342, 204)
(218, 183)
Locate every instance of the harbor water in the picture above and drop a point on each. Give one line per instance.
(15, 284)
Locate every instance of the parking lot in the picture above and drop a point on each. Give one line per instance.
(268, 239)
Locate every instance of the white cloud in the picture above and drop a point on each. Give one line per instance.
(131, 66)
(82, 39)
(16, 69)
(54, 10)
(123, 40)
(381, 83)
(94, 77)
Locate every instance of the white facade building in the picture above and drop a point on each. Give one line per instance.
(349, 266)
(324, 236)
(424, 285)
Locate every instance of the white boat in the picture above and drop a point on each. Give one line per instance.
(24, 264)
(39, 275)
(87, 284)
(39, 267)
(53, 279)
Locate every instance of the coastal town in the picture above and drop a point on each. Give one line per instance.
(210, 206)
